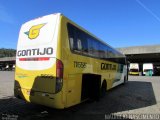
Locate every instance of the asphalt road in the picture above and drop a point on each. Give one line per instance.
(140, 96)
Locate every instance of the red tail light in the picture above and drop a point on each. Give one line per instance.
(59, 69)
(59, 75)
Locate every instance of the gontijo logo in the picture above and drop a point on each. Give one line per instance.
(34, 31)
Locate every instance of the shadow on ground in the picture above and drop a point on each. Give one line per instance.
(131, 96)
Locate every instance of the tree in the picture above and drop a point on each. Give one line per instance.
(7, 52)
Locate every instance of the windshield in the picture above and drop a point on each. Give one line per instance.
(133, 70)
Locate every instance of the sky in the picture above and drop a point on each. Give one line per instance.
(120, 23)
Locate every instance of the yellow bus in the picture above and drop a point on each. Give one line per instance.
(134, 69)
(59, 64)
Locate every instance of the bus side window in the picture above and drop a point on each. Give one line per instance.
(84, 43)
(81, 42)
(90, 46)
(102, 51)
(71, 43)
(106, 52)
(77, 40)
(96, 50)
(120, 68)
(72, 32)
(79, 45)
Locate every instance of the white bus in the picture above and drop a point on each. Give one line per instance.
(148, 69)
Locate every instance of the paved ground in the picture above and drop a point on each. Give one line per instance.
(6, 84)
(141, 96)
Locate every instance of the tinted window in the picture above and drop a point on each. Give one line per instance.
(84, 44)
(72, 37)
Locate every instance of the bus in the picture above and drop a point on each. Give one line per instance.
(134, 69)
(59, 64)
(148, 69)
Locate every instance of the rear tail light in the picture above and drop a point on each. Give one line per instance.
(59, 75)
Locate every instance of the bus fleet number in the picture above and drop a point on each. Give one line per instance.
(79, 64)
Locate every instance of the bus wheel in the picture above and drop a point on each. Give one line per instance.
(103, 88)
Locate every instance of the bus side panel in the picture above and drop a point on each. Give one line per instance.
(75, 66)
(71, 80)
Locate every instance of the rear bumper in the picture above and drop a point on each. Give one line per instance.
(46, 99)
(134, 73)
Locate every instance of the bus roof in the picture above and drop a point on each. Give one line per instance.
(60, 14)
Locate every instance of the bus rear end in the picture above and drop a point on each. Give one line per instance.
(39, 72)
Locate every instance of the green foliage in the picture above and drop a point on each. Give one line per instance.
(7, 52)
